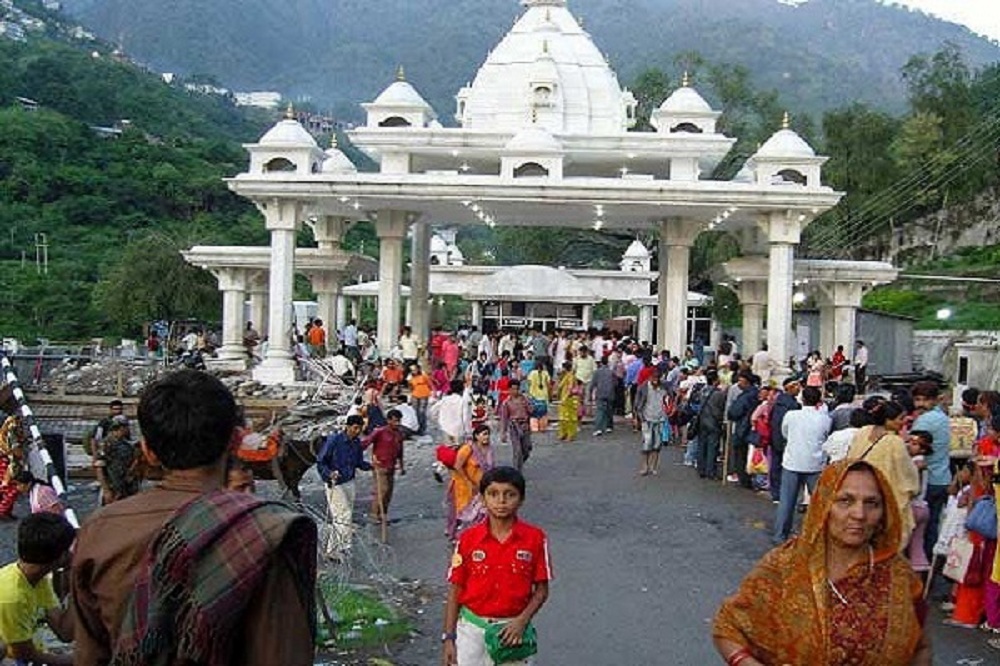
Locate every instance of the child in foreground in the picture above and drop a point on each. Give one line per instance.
(499, 575)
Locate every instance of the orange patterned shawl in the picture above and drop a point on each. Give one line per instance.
(784, 610)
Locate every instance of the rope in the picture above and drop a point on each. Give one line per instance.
(39, 460)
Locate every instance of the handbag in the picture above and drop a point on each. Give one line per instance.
(960, 552)
(982, 518)
(502, 654)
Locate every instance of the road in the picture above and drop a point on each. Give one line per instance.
(641, 563)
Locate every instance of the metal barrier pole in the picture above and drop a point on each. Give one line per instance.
(38, 457)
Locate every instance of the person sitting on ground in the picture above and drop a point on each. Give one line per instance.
(838, 594)
(27, 595)
(186, 572)
(409, 422)
(499, 575)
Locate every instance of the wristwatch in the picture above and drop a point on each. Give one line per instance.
(448, 636)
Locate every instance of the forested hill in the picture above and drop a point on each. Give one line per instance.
(819, 55)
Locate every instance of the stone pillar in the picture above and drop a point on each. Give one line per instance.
(827, 323)
(356, 309)
(588, 315)
(842, 300)
(258, 302)
(327, 285)
(477, 314)
(644, 330)
(677, 235)
(783, 235)
(233, 285)
(753, 298)
(391, 228)
(420, 276)
(282, 219)
(341, 312)
(328, 230)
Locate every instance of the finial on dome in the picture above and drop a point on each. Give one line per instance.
(786, 121)
(545, 46)
(290, 112)
(333, 140)
(400, 74)
(686, 80)
(548, 15)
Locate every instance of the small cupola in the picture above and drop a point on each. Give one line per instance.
(336, 162)
(399, 105)
(786, 159)
(685, 111)
(285, 148)
(636, 259)
(532, 152)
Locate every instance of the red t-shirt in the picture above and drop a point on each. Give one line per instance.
(497, 578)
(644, 374)
(387, 447)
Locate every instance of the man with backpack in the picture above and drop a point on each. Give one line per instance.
(786, 401)
(710, 425)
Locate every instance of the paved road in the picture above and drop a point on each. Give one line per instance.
(641, 562)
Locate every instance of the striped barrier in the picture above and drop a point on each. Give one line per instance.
(38, 458)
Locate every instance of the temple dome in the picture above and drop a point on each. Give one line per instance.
(401, 93)
(582, 96)
(785, 143)
(533, 139)
(636, 251)
(288, 132)
(337, 162)
(685, 100)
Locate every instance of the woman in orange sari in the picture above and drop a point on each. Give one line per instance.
(474, 459)
(838, 594)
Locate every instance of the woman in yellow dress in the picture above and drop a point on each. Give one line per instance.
(569, 391)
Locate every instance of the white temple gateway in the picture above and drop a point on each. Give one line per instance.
(542, 140)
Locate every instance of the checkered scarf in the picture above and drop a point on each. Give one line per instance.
(200, 573)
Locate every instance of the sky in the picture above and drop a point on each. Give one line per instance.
(981, 16)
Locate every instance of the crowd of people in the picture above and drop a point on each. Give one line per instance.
(883, 499)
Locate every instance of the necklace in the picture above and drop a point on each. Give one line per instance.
(836, 592)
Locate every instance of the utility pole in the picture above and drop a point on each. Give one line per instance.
(41, 254)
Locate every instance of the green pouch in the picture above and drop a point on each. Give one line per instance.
(503, 654)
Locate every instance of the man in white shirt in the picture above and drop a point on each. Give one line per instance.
(860, 366)
(409, 423)
(805, 430)
(760, 365)
(351, 341)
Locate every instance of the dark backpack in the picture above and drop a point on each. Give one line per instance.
(694, 402)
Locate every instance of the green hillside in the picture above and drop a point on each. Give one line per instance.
(820, 55)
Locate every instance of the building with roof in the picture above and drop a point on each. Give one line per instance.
(542, 138)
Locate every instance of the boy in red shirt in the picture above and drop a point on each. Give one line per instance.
(500, 573)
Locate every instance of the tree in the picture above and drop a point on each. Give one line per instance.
(151, 280)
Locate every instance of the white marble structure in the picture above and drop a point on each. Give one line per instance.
(542, 139)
